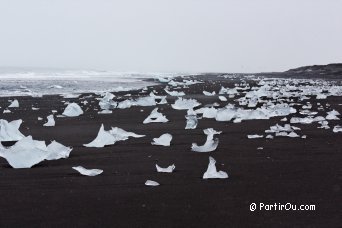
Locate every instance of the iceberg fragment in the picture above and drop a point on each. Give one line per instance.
(51, 121)
(163, 140)
(102, 139)
(73, 110)
(184, 104)
(14, 104)
(155, 117)
(169, 169)
(174, 93)
(212, 171)
(88, 172)
(9, 131)
(28, 152)
(210, 144)
(151, 183)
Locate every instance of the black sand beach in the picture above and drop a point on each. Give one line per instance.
(287, 170)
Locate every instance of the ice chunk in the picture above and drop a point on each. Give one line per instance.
(105, 138)
(102, 139)
(51, 121)
(165, 170)
(73, 110)
(9, 131)
(332, 115)
(105, 111)
(337, 128)
(210, 144)
(107, 103)
(28, 152)
(151, 183)
(184, 104)
(174, 93)
(191, 121)
(206, 93)
(212, 171)
(155, 117)
(88, 172)
(14, 104)
(121, 134)
(163, 140)
(254, 136)
(57, 151)
(222, 98)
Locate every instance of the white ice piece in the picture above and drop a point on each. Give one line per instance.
(151, 183)
(169, 169)
(337, 128)
(222, 98)
(174, 93)
(73, 110)
(212, 171)
(155, 117)
(51, 121)
(105, 138)
(88, 172)
(102, 139)
(255, 136)
(210, 144)
(9, 131)
(184, 104)
(28, 152)
(206, 93)
(14, 104)
(163, 140)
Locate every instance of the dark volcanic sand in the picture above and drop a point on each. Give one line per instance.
(51, 194)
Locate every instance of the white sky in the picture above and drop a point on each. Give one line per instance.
(170, 35)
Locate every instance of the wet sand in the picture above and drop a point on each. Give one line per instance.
(287, 170)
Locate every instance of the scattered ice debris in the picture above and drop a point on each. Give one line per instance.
(165, 170)
(212, 171)
(206, 93)
(210, 144)
(141, 101)
(105, 138)
(155, 117)
(191, 119)
(28, 152)
(73, 110)
(174, 93)
(260, 148)
(151, 183)
(35, 109)
(14, 104)
(9, 131)
(337, 128)
(228, 91)
(255, 136)
(50, 121)
(88, 172)
(269, 137)
(163, 140)
(40, 118)
(185, 104)
(222, 98)
(7, 111)
(283, 119)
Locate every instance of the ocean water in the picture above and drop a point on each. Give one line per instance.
(38, 82)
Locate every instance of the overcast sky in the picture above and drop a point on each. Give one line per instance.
(170, 35)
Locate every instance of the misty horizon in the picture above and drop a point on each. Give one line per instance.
(170, 36)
